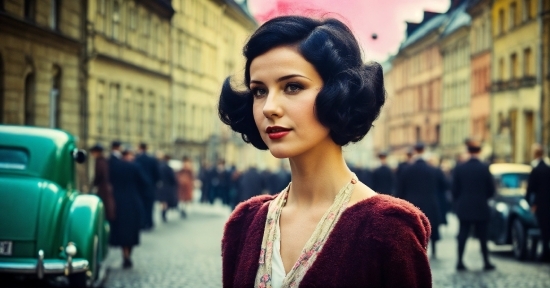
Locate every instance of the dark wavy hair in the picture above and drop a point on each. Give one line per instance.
(352, 93)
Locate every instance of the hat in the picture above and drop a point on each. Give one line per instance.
(97, 147)
(115, 144)
(382, 154)
(419, 146)
(473, 145)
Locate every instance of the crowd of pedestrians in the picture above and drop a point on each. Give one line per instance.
(465, 190)
(129, 183)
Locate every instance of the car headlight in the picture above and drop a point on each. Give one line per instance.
(523, 204)
(70, 249)
(501, 207)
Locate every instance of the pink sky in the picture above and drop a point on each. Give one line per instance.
(386, 18)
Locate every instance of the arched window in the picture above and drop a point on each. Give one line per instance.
(30, 99)
(55, 98)
(29, 10)
(55, 14)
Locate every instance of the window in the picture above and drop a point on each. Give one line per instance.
(116, 20)
(139, 111)
(14, 159)
(54, 14)
(127, 118)
(55, 98)
(418, 134)
(501, 21)
(114, 109)
(514, 66)
(101, 7)
(513, 15)
(152, 115)
(29, 99)
(527, 10)
(501, 69)
(100, 107)
(132, 17)
(528, 62)
(29, 10)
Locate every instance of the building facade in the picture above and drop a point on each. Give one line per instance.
(414, 115)
(455, 111)
(129, 72)
(480, 72)
(516, 88)
(40, 63)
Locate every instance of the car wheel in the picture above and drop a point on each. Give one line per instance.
(519, 240)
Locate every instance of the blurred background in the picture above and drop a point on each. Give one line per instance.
(151, 71)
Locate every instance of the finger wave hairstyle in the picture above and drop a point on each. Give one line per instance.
(352, 93)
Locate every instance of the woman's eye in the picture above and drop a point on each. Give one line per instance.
(259, 92)
(292, 88)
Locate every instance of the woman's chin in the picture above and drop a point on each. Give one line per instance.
(281, 152)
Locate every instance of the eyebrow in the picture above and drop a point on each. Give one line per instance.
(281, 78)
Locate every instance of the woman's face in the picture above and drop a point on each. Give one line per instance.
(284, 86)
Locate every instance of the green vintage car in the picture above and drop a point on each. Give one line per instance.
(47, 228)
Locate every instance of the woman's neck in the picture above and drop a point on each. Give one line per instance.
(317, 176)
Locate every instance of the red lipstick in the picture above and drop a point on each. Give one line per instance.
(276, 132)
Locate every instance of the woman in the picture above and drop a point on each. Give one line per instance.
(186, 180)
(308, 94)
(127, 180)
(169, 186)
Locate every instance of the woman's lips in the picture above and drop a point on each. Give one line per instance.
(276, 132)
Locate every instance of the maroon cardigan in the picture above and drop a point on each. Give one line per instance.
(378, 242)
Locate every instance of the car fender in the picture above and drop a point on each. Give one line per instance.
(84, 221)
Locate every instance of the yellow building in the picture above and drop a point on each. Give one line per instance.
(39, 63)
(207, 40)
(455, 111)
(129, 72)
(414, 114)
(516, 89)
(480, 83)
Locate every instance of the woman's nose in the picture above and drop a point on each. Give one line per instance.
(272, 107)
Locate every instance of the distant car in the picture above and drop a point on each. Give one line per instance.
(47, 228)
(512, 221)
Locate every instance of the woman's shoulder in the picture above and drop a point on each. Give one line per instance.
(246, 211)
(389, 217)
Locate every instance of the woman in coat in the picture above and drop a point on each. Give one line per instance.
(308, 93)
(168, 187)
(186, 180)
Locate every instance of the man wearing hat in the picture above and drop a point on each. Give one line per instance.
(151, 169)
(472, 187)
(383, 178)
(403, 165)
(101, 181)
(419, 184)
(538, 195)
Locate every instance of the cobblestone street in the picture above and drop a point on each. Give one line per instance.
(186, 253)
(179, 253)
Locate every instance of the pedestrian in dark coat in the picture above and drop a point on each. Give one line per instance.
(101, 181)
(168, 187)
(204, 177)
(127, 181)
(383, 178)
(472, 187)
(252, 184)
(220, 181)
(419, 184)
(403, 165)
(150, 167)
(538, 195)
